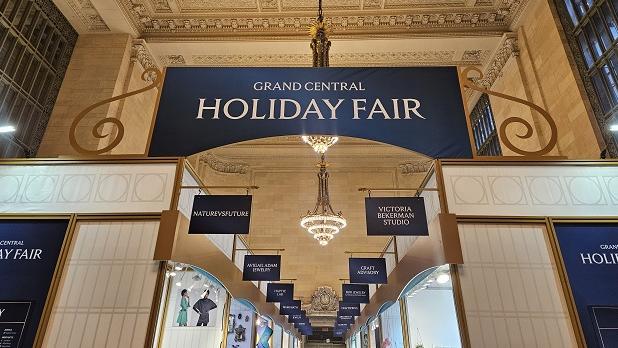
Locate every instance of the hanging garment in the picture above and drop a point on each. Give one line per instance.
(182, 315)
(202, 307)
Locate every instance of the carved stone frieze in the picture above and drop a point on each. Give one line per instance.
(383, 58)
(507, 48)
(141, 54)
(414, 167)
(324, 299)
(88, 15)
(222, 166)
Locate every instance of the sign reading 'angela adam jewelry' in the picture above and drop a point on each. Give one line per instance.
(396, 216)
(415, 108)
(367, 270)
(220, 214)
(262, 267)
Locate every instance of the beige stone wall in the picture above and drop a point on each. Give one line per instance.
(542, 73)
(93, 74)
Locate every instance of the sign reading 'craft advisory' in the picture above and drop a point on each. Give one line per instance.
(220, 214)
(396, 216)
(262, 267)
(367, 270)
(416, 108)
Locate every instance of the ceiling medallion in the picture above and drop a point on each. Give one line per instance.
(323, 223)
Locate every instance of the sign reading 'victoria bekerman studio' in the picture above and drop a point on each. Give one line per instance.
(396, 216)
(279, 292)
(262, 267)
(416, 108)
(220, 214)
(355, 293)
(367, 270)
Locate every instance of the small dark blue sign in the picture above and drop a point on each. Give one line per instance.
(349, 308)
(279, 292)
(301, 324)
(418, 108)
(29, 254)
(262, 267)
(590, 254)
(296, 318)
(342, 326)
(289, 308)
(367, 270)
(355, 293)
(220, 214)
(345, 319)
(396, 216)
(338, 333)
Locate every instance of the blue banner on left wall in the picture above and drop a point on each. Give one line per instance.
(29, 251)
(418, 108)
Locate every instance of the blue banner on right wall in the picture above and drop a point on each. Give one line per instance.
(590, 254)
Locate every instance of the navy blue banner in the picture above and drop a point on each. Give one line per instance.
(29, 251)
(262, 267)
(355, 293)
(590, 254)
(415, 108)
(289, 308)
(396, 216)
(349, 308)
(344, 319)
(220, 214)
(366, 270)
(296, 318)
(342, 326)
(279, 292)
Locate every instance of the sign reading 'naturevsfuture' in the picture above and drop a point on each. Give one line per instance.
(415, 108)
(364, 270)
(220, 214)
(396, 216)
(262, 267)
(355, 293)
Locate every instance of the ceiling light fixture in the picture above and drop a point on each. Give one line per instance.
(443, 278)
(7, 129)
(323, 223)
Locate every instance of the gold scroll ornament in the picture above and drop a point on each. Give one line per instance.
(466, 82)
(97, 129)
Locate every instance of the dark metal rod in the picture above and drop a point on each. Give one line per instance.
(363, 189)
(261, 249)
(220, 187)
(370, 252)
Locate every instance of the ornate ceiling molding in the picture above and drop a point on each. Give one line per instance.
(324, 299)
(506, 49)
(88, 15)
(414, 58)
(269, 18)
(222, 166)
(141, 53)
(410, 168)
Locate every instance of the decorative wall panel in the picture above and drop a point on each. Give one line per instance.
(548, 190)
(86, 188)
(511, 292)
(107, 286)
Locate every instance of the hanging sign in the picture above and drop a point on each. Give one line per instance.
(342, 326)
(279, 292)
(295, 318)
(396, 216)
(262, 267)
(302, 324)
(349, 308)
(365, 270)
(418, 108)
(337, 333)
(590, 254)
(345, 319)
(220, 214)
(29, 251)
(355, 293)
(289, 308)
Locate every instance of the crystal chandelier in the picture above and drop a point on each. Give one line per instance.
(323, 223)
